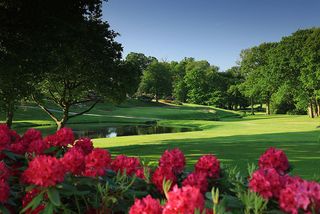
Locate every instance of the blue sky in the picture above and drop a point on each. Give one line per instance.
(214, 30)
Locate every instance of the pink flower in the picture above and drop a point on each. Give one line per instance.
(162, 173)
(209, 165)
(300, 195)
(97, 162)
(73, 161)
(85, 144)
(274, 158)
(124, 163)
(184, 200)
(174, 158)
(4, 191)
(266, 182)
(63, 137)
(44, 171)
(147, 205)
(198, 180)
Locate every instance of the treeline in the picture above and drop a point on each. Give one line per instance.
(283, 76)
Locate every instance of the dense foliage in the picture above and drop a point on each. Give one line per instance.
(282, 76)
(58, 174)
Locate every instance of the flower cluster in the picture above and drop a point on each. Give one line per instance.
(44, 171)
(171, 163)
(145, 206)
(186, 200)
(123, 163)
(266, 182)
(274, 158)
(174, 159)
(97, 162)
(209, 165)
(301, 195)
(293, 193)
(198, 180)
(53, 168)
(63, 137)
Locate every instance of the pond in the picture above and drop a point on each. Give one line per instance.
(128, 130)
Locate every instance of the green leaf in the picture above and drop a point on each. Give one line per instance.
(4, 210)
(49, 209)
(54, 196)
(51, 149)
(34, 203)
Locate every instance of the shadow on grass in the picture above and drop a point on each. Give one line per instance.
(302, 149)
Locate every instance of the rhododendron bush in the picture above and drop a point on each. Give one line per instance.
(61, 174)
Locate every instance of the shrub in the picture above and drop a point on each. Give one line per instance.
(60, 175)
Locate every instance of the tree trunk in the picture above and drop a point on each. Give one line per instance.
(317, 110)
(157, 98)
(252, 109)
(268, 108)
(9, 117)
(310, 109)
(65, 118)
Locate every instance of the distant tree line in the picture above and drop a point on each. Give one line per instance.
(283, 76)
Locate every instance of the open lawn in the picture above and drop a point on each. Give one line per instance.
(234, 140)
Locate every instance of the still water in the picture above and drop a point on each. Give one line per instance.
(128, 130)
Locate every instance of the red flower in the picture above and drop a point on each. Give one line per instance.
(174, 158)
(185, 200)
(31, 135)
(4, 191)
(140, 173)
(85, 144)
(97, 162)
(274, 158)
(38, 147)
(44, 171)
(267, 182)
(14, 136)
(73, 161)
(5, 137)
(18, 148)
(63, 137)
(209, 165)
(198, 180)
(160, 174)
(147, 205)
(28, 198)
(124, 163)
(4, 171)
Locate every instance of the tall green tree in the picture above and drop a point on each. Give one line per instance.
(136, 63)
(156, 80)
(81, 61)
(201, 79)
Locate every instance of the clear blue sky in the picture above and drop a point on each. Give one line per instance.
(215, 30)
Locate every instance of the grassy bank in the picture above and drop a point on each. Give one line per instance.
(235, 140)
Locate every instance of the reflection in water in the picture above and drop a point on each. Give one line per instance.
(109, 132)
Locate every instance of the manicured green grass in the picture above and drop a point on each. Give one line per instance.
(234, 140)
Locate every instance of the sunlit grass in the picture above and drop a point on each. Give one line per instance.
(235, 140)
